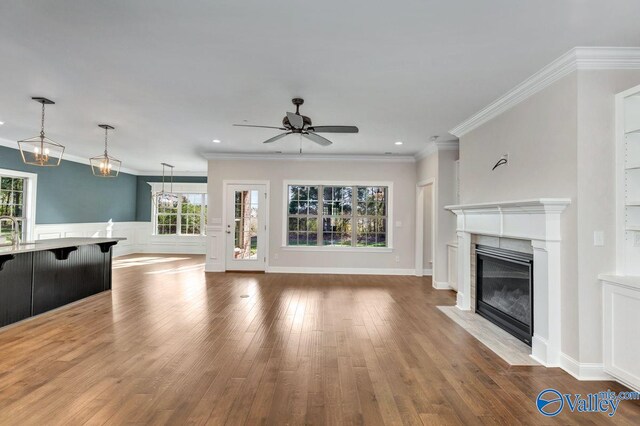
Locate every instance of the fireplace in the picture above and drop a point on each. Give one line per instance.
(504, 290)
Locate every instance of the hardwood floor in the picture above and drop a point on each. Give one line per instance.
(170, 345)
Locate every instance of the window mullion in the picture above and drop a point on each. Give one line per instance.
(354, 191)
(202, 230)
(321, 215)
(179, 217)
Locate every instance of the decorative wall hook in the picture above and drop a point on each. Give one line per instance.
(502, 161)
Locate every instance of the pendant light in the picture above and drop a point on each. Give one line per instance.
(163, 198)
(40, 150)
(105, 165)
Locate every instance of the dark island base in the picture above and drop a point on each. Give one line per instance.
(39, 281)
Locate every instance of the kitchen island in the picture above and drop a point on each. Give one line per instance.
(44, 275)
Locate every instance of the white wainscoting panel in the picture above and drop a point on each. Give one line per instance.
(139, 238)
(215, 248)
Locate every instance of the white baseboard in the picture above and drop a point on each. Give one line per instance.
(427, 272)
(441, 285)
(213, 267)
(584, 370)
(338, 271)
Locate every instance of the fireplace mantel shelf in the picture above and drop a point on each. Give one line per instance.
(531, 205)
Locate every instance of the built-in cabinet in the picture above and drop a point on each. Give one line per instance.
(621, 333)
(621, 292)
(628, 182)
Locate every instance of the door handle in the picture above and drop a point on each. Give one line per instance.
(228, 232)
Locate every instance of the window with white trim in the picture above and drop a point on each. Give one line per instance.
(12, 203)
(181, 214)
(337, 216)
(17, 200)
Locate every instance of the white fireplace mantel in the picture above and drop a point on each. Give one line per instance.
(536, 220)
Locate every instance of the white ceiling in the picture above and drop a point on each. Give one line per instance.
(171, 76)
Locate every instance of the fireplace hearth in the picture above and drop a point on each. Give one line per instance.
(504, 290)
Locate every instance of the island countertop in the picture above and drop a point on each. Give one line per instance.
(55, 243)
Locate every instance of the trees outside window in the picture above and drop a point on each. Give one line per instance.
(181, 214)
(338, 216)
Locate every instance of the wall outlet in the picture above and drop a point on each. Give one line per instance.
(397, 259)
(636, 239)
(598, 238)
(275, 256)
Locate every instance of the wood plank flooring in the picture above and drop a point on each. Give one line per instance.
(172, 345)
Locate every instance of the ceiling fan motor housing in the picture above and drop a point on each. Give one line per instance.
(306, 123)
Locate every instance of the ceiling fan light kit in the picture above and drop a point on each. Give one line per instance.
(296, 123)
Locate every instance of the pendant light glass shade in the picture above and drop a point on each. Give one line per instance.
(40, 150)
(164, 199)
(105, 165)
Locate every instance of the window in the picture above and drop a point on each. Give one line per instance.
(12, 203)
(337, 215)
(181, 214)
(18, 200)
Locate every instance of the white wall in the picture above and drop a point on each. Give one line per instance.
(427, 255)
(446, 220)
(540, 136)
(440, 168)
(560, 143)
(402, 174)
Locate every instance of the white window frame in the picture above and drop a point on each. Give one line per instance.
(178, 189)
(302, 182)
(29, 197)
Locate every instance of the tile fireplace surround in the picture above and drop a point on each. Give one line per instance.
(537, 221)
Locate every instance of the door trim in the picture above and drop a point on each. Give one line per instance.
(267, 186)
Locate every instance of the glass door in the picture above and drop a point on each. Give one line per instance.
(246, 228)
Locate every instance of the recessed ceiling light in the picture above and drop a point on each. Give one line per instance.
(216, 141)
(1, 123)
(398, 143)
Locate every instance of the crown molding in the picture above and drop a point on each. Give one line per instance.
(180, 174)
(433, 147)
(578, 58)
(308, 157)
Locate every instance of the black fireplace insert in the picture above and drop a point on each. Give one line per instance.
(504, 290)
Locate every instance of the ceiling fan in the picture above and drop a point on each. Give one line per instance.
(294, 122)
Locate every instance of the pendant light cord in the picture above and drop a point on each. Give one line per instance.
(42, 122)
(105, 141)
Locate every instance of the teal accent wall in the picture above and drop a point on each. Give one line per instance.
(71, 194)
(143, 204)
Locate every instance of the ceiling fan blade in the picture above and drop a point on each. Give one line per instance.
(334, 129)
(295, 120)
(317, 139)
(262, 127)
(275, 138)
